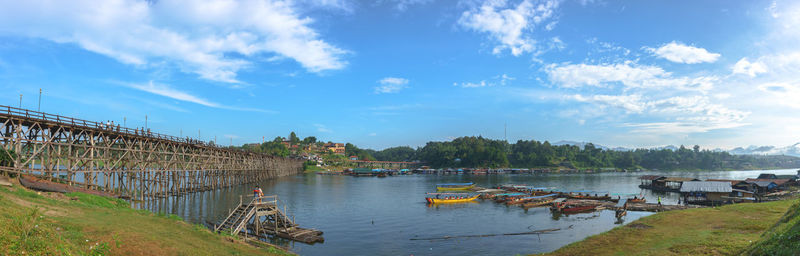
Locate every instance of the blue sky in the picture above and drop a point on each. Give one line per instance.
(404, 72)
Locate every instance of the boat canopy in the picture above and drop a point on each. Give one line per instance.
(455, 184)
(537, 197)
(511, 194)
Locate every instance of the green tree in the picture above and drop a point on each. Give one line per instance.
(293, 139)
(310, 140)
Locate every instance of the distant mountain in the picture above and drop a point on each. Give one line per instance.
(793, 150)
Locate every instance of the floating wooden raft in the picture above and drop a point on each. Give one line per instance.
(262, 217)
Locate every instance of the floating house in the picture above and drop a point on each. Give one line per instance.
(706, 192)
(662, 183)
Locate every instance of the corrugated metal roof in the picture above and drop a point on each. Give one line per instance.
(777, 181)
(706, 186)
(763, 184)
(650, 177)
(731, 181)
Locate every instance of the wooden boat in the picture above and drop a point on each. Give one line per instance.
(589, 197)
(529, 198)
(502, 198)
(34, 183)
(568, 208)
(538, 203)
(455, 186)
(637, 200)
(451, 198)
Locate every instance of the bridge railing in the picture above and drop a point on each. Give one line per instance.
(42, 116)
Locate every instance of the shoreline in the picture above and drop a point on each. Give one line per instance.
(50, 223)
(728, 230)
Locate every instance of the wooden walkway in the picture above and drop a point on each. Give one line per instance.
(262, 217)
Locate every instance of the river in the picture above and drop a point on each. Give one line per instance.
(380, 216)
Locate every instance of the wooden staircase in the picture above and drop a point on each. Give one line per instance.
(261, 216)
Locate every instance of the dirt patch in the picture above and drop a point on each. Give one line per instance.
(639, 226)
(47, 210)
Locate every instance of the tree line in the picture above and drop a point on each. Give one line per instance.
(483, 152)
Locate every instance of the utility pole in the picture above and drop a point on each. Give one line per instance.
(231, 141)
(215, 139)
(20, 100)
(39, 108)
(505, 131)
(181, 132)
(262, 139)
(145, 122)
(198, 135)
(125, 121)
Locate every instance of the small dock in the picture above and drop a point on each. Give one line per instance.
(262, 218)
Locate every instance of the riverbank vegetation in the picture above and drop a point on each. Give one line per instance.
(727, 230)
(479, 152)
(482, 152)
(81, 224)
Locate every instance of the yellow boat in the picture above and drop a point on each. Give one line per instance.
(455, 186)
(455, 199)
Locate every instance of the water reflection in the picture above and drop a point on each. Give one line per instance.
(381, 216)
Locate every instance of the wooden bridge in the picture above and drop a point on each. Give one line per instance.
(262, 217)
(132, 163)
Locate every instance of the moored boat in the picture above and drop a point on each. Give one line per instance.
(637, 200)
(449, 198)
(455, 186)
(568, 208)
(540, 201)
(32, 182)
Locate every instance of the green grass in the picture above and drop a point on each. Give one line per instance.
(726, 230)
(313, 169)
(783, 238)
(34, 224)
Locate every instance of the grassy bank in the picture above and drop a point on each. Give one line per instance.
(81, 224)
(783, 238)
(726, 230)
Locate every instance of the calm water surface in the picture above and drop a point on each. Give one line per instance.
(380, 216)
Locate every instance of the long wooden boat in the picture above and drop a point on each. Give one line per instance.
(451, 199)
(510, 196)
(637, 200)
(455, 186)
(568, 208)
(589, 197)
(34, 183)
(538, 203)
(529, 198)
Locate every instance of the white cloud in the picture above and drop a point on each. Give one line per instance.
(628, 74)
(783, 93)
(169, 92)
(403, 5)
(509, 24)
(629, 103)
(391, 85)
(196, 36)
(681, 53)
(749, 68)
(680, 114)
(322, 128)
(502, 80)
